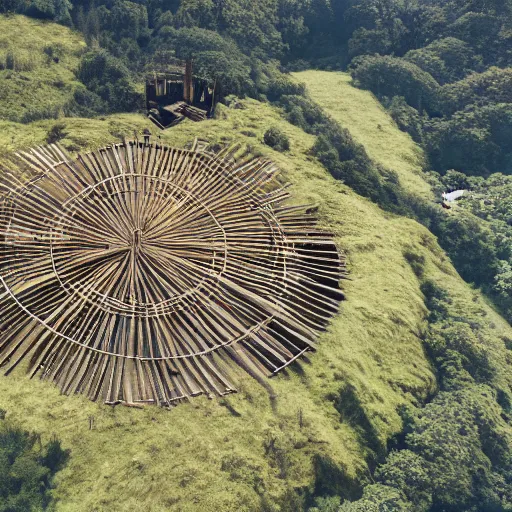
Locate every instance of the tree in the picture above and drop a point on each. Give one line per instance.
(62, 12)
(253, 26)
(369, 42)
(128, 19)
(27, 468)
(92, 26)
(108, 77)
(196, 13)
(481, 30)
(474, 141)
(44, 9)
(292, 25)
(229, 76)
(471, 246)
(447, 60)
(456, 435)
(408, 473)
(391, 76)
(378, 498)
(492, 86)
(8, 6)
(503, 280)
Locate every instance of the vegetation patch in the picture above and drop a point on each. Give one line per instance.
(37, 73)
(276, 139)
(27, 467)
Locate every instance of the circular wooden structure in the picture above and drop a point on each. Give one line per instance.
(147, 274)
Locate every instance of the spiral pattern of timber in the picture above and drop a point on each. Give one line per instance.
(146, 274)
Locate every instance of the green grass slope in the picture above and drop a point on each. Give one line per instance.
(243, 453)
(37, 64)
(369, 124)
(227, 454)
(224, 454)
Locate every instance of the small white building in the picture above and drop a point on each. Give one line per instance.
(449, 197)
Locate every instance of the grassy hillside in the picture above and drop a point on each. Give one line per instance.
(243, 453)
(369, 124)
(215, 450)
(226, 454)
(37, 64)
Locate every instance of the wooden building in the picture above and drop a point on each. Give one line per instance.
(170, 97)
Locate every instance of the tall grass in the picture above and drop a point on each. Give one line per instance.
(37, 65)
(244, 452)
(19, 60)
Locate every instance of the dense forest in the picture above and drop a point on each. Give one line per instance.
(442, 69)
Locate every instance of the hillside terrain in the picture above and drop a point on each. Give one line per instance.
(336, 412)
(38, 62)
(370, 125)
(193, 443)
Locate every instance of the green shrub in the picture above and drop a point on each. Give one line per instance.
(38, 112)
(408, 473)
(17, 60)
(378, 498)
(27, 468)
(284, 86)
(416, 261)
(470, 244)
(391, 76)
(460, 353)
(56, 133)
(276, 139)
(406, 117)
(436, 301)
(54, 52)
(455, 180)
(85, 103)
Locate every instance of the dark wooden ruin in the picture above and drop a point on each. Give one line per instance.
(145, 274)
(172, 97)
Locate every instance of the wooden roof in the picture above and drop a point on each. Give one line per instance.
(147, 274)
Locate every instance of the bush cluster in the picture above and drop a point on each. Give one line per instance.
(276, 139)
(454, 453)
(27, 468)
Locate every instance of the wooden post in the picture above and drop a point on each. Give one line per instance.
(188, 83)
(212, 108)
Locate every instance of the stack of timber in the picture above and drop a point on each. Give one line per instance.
(194, 113)
(172, 97)
(181, 110)
(147, 274)
(175, 109)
